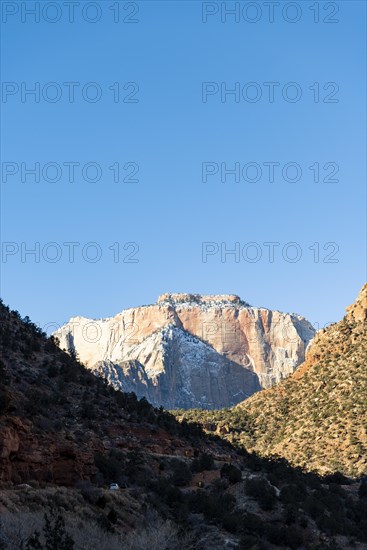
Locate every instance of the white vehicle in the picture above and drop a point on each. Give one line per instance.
(114, 487)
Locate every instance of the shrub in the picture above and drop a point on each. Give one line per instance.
(109, 466)
(260, 490)
(251, 541)
(197, 501)
(267, 500)
(252, 524)
(275, 534)
(4, 379)
(204, 462)
(89, 492)
(52, 371)
(51, 345)
(37, 402)
(330, 525)
(291, 494)
(34, 542)
(112, 516)
(293, 537)
(362, 491)
(231, 472)
(87, 410)
(54, 533)
(4, 400)
(166, 490)
(216, 506)
(181, 475)
(314, 507)
(232, 522)
(157, 536)
(338, 478)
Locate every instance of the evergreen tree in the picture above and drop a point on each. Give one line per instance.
(56, 536)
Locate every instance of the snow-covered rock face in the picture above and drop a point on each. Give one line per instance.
(190, 350)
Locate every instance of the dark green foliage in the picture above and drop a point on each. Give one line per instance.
(232, 522)
(34, 542)
(4, 378)
(260, 490)
(181, 475)
(337, 478)
(293, 537)
(104, 523)
(231, 472)
(293, 493)
(51, 345)
(251, 541)
(54, 532)
(109, 466)
(252, 524)
(202, 463)
(4, 400)
(56, 536)
(52, 371)
(331, 525)
(90, 493)
(36, 346)
(170, 500)
(362, 491)
(135, 466)
(337, 489)
(112, 516)
(87, 410)
(69, 372)
(218, 505)
(73, 354)
(267, 501)
(275, 533)
(279, 535)
(37, 402)
(314, 507)
(290, 514)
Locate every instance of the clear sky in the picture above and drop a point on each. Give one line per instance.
(160, 131)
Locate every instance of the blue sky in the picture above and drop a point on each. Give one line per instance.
(168, 134)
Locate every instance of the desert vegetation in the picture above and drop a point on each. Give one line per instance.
(65, 435)
(317, 418)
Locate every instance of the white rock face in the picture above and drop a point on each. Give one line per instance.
(190, 350)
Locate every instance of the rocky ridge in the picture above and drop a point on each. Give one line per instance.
(316, 418)
(191, 350)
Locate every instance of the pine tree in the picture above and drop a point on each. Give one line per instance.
(56, 536)
(34, 543)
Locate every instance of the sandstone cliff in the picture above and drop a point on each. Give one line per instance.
(189, 350)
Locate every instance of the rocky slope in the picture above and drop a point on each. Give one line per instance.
(65, 435)
(55, 416)
(60, 426)
(317, 418)
(191, 350)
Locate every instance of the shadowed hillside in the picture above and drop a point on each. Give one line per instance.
(65, 435)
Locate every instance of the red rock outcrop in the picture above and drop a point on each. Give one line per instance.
(358, 310)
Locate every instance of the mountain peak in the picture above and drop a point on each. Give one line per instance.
(189, 339)
(184, 298)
